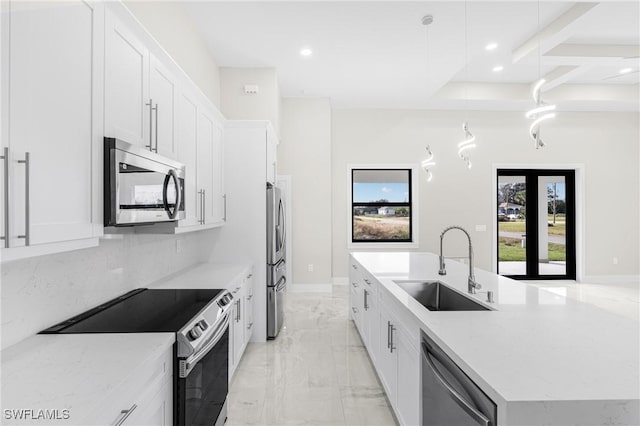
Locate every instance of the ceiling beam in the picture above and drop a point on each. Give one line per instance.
(560, 75)
(594, 51)
(554, 33)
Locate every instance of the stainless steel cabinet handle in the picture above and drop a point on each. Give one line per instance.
(27, 213)
(477, 415)
(355, 311)
(367, 281)
(354, 285)
(249, 276)
(354, 266)
(249, 326)
(391, 330)
(156, 148)
(239, 311)
(151, 109)
(5, 158)
(388, 334)
(366, 305)
(204, 205)
(201, 195)
(249, 297)
(124, 414)
(224, 199)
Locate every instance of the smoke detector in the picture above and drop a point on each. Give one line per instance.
(427, 20)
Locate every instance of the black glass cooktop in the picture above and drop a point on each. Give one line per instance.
(140, 311)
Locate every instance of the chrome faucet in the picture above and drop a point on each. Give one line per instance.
(472, 284)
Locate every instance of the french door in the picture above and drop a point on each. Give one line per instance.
(536, 224)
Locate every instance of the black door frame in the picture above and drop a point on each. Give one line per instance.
(531, 220)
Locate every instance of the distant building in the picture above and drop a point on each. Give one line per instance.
(509, 208)
(386, 211)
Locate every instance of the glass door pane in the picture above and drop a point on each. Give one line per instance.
(512, 227)
(552, 226)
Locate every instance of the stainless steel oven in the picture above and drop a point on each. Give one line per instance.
(200, 320)
(140, 187)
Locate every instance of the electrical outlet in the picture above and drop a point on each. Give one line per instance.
(310, 267)
(178, 246)
(615, 260)
(481, 228)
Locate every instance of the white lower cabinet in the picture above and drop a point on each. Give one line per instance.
(146, 399)
(240, 323)
(390, 343)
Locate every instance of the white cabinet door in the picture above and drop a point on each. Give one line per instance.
(188, 155)
(206, 141)
(408, 401)
(218, 197)
(272, 157)
(127, 109)
(388, 356)
(238, 329)
(52, 88)
(373, 325)
(163, 94)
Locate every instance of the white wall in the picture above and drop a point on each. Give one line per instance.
(235, 104)
(606, 143)
(169, 24)
(305, 154)
(42, 291)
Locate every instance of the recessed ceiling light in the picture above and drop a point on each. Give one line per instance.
(491, 46)
(625, 70)
(306, 52)
(498, 68)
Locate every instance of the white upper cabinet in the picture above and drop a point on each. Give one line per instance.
(209, 171)
(127, 109)
(188, 155)
(163, 94)
(51, 97)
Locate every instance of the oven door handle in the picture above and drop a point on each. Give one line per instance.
(186, 365)
(172, 174)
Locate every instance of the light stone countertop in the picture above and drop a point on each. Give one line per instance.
(537, 345)
(203, 276)
(74, 372)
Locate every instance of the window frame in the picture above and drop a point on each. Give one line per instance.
(413, 208)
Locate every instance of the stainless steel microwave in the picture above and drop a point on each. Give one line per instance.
(140, 187)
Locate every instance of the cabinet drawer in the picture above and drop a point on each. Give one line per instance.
(151, 378)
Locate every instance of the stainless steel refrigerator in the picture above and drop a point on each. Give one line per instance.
(276, 266)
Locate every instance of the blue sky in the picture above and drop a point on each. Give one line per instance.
(393, 192)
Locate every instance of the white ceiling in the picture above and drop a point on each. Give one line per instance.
(377, 54)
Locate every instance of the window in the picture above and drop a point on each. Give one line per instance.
(382, 205)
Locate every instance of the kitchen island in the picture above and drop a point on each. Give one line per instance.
(541, 357)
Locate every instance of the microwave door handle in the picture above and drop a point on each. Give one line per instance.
(174, 175)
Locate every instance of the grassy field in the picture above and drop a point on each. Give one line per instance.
(511, 250)
(519, 226)
(380, 228)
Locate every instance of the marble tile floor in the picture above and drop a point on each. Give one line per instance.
(317, 372)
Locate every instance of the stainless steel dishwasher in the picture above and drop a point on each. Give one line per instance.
(449, 396)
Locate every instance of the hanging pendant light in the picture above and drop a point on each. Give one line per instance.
(541, 111)
(467, 143)
(427, 163)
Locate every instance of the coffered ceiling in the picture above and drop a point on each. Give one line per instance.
(378, 54)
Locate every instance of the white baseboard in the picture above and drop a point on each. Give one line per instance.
(340, 280)
(309, 288)
(610, 279)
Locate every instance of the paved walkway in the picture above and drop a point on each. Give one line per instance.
(557, 239)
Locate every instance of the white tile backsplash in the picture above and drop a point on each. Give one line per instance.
(41, 291)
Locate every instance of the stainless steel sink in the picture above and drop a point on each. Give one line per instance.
(436, 296)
